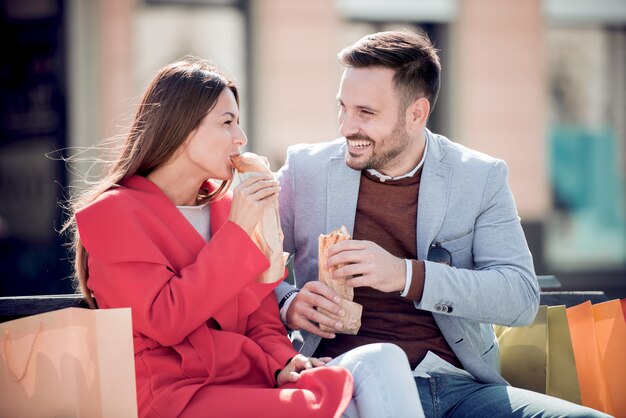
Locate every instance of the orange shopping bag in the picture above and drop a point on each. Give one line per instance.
(599, 340)
(71, 362)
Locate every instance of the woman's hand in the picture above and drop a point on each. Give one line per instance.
(291, 372)
(250, 198)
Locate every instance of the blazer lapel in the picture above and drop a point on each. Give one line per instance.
(433, 196)
(341, 195)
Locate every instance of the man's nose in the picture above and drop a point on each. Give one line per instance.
(347, 125)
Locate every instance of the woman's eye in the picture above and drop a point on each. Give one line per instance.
(228, 122)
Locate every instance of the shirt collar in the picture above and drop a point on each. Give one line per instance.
(382, 177)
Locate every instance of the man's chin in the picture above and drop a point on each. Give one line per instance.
(356, 163)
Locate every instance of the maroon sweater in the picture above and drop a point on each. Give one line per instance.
(387, 317)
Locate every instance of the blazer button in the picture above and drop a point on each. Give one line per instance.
(439, 307)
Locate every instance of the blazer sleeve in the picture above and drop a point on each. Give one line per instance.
(502, 288)
(167, 306)
(285, 177)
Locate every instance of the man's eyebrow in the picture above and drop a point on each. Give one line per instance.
(369, 109)
(360, 107)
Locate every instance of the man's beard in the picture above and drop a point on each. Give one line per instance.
(396, 141)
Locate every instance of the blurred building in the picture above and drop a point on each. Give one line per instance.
(541, 84)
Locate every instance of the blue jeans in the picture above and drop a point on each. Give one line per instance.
(445, 395)
(383, 382)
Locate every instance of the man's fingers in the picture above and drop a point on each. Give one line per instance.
(314, 300)
(322, 289)
(347, 245)
(314, 329)
(311, 315)
(360, 281)
(304, 315)
(349, 257)
(320, 318)
(350, 270)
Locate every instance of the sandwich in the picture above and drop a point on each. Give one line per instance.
(267, 235)
(352, 320)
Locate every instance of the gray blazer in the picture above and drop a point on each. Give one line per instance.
(465, 203)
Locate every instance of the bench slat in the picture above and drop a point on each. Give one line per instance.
(14, 307)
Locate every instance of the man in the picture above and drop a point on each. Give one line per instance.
(438, 253)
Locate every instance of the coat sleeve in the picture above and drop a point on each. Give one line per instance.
(502, 288)
(167, 306)
(265, 328)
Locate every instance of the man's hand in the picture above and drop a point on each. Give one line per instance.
(373, 266)
(291, 372)
(302, 314)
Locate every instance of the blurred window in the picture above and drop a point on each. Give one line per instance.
(586, 69)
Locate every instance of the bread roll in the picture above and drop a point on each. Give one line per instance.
(352, 320)
(325, 275)
(267, 235)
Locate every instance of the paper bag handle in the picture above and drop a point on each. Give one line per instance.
(7, 339)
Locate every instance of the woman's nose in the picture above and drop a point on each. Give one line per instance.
(240, 138)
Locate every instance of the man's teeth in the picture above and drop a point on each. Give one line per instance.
(359, 144)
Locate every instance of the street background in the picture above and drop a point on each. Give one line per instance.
(541, 84)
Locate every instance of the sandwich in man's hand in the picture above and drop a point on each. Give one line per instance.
(352, 320)
(267, 235)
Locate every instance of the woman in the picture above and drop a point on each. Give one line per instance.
(156, 236)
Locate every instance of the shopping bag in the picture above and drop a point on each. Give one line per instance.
(562, 377)
(524, 353)
(71, 362)
(539, 357)
(599, 340)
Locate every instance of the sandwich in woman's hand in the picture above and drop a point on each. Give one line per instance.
(268, 235)
(352, 320)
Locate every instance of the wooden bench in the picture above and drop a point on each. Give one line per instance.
(13, 307)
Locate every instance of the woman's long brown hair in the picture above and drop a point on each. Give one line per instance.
(172, 107)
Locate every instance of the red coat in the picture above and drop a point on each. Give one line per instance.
(208, 338)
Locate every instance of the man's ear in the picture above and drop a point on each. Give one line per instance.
(417, 113)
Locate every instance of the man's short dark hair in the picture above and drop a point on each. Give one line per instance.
(410, 54)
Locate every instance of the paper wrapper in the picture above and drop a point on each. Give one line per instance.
(352, 320)
(268, 236)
